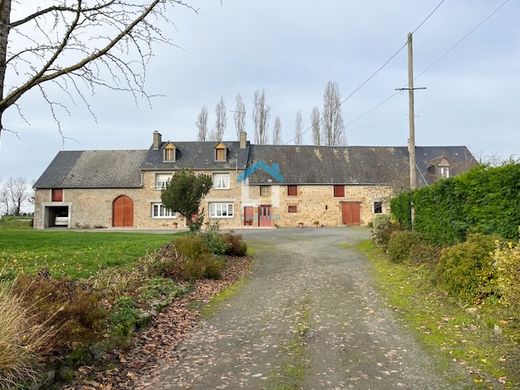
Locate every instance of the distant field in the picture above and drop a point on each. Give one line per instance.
(75, 254)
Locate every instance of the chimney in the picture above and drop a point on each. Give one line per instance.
(243, 139)
(157, 139)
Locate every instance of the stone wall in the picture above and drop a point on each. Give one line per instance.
(93, 207)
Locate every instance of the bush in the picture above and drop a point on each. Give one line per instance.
(423, 253)
(383, 227)
(23, 340)
(507, 263)
(72, 307)
(215, 241)
(192, 247)
(400, 244)
(236, 245)
(466, 270)
(187, 258)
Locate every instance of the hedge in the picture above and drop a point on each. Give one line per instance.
(483, 200)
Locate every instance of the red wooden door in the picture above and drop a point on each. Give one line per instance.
(264, 215)
(123, 212)
(351, 213)
(249, 216)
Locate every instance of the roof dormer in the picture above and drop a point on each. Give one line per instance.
(169, 152)
(221, 152)
(440, 167)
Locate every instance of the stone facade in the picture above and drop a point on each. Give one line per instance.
(90, 208)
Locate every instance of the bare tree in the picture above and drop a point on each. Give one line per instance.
(315, 124)
(298, 130)
(239, 116)
(202, 124)
(277, 131)
(18, 193)
(77, 45)
(4, 197)
(261, 113)
(332, 120)
(220, 121)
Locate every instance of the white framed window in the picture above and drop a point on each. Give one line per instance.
(161, 179)
(444, 171)
(160, 211)
(221, 181)
(221, 210)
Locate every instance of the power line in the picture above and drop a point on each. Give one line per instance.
(463, 38)
(434, 62)
(380, 68)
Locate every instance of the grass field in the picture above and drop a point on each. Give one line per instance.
(75, 254)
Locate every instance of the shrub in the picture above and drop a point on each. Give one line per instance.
(507, 263)
(188, 258)
(424, 253)
(69, 305)
(383, 227)
(215, 241)
(207, 267)
(192, 247)
(400, 244)
(23, 340)
(466, 270)
(236, 245)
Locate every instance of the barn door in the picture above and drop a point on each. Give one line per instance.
(123, 212)
(351, 213)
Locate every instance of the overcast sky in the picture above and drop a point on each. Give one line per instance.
(291, 49)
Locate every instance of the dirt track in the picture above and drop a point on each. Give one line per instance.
(309, 317)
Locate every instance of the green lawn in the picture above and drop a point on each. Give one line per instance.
(75, 254)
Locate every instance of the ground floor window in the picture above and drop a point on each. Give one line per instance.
(378, 207)
(221, 210)
(292, 209)
(160, 211)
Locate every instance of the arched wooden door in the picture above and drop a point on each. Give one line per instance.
(123, 212)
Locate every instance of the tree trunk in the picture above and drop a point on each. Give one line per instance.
(5, 20)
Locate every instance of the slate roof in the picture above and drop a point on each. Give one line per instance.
(354, 165)
(197, 155)
(94, 169)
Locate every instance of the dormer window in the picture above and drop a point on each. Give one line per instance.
(169, 152)
(440, 167)
(220, 152)
(443, 171)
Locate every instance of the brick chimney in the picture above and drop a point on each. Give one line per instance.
(157, 139)
(243, 139)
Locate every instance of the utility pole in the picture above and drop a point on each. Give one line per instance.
(411, 121)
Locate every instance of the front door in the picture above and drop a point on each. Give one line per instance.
(249, 216)
(264, 216)
(123, 212)
(351, 213)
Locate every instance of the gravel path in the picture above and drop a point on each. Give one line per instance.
(308, 318)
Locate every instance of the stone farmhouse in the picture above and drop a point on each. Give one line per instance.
(253, 185)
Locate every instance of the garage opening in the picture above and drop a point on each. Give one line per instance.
(56, 217)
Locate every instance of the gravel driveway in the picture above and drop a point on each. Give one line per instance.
(309, 317)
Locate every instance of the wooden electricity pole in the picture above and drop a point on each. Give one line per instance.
(411, 121)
